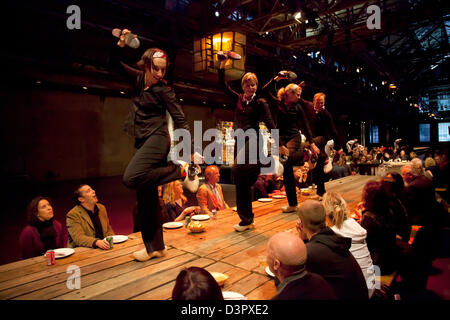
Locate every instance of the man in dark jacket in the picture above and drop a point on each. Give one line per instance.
(286, 257)
(328, 253)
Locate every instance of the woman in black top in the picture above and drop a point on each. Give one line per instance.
(147, 122)
(290, 118)
(249, 111)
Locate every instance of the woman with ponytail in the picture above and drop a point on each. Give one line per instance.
(290, 118)
(336, 219)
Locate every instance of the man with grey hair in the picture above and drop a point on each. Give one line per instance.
(286, 257)
(328, 253)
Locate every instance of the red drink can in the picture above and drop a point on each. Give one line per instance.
(50, 255)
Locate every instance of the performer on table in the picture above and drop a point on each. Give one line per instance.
(249, 111)
(147, 123)
(323, 130)
(290, 117)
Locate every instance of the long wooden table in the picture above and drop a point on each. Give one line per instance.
(113, 274)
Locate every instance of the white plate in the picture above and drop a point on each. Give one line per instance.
(269, 272)
(264, 200)
(118, 238)
(200, 217)
(173, 225)
(230, 295)
(278, 196)
(63, 252)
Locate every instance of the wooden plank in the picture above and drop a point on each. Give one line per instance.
(79, 255)
(248, 284)
(156, 291)
(264, 292)
(141, 274)
(40, 280)
(96, 273)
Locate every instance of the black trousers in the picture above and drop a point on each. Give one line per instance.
(244, 177)
(146, 171)
(319, 177)
(295, 158)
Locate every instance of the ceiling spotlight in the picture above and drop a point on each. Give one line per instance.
(297, 16)
(181, 99)
(306, 21)
(294, 56)
(122, 92)
(217, 14)
(84, 88)
(357, 70)
(38, 82)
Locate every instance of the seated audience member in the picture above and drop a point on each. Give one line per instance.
(196, 283)
(328, 254)
(406, 173)
(394, 187)
(336, 219)
(286, 258)
(209, 195)
(175, 201)
(87, 222)
(273, 183)
(260, 187)
(302, 176)
(43, 232)
(378, 220)
(424, 210)
(432, 168)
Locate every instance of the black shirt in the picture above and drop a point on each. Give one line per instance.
(249, 115)
(321, 123)
(148, 113)
(96, 222)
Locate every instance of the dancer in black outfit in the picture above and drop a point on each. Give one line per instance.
(250, 110)
(323, 129)
(290, 117)
(147, 123)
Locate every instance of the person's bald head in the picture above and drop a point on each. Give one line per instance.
(312, 215)
(288, 248)
(286, 254)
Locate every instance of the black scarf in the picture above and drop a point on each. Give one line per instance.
(47, 233)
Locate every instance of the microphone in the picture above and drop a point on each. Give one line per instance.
(131, 39)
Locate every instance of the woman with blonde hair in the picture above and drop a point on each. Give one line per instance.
(175, 201)
(336, 219)
(250, 110)
(290, 118)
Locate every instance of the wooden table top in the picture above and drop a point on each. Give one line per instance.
(115, 275)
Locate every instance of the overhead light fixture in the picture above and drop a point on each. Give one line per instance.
(298, 16)
(357, 70)
(84, 88)
(294, 56)
(38, 82)
(217, 14)
(181, 99)
(122, 92)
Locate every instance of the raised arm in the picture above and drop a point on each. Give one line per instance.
(117, 56)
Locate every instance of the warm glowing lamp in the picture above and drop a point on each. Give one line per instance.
(206, 48)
